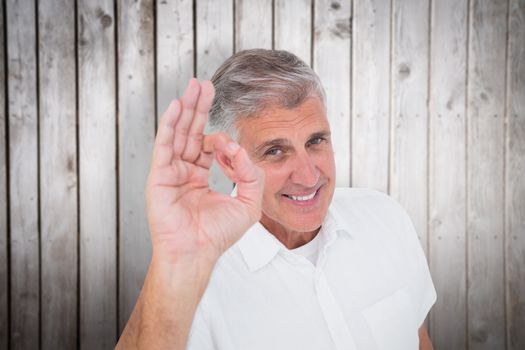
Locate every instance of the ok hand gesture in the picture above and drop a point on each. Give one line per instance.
(184, 215)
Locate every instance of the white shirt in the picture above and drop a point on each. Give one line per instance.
(370, 289)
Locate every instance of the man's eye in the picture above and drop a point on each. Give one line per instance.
(316, 141)
(273, 152)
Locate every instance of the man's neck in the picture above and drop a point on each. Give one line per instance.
(290, 239)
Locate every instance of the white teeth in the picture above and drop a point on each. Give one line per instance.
(303, 198)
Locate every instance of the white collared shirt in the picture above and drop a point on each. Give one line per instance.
(370, 288)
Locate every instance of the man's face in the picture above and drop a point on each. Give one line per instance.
(294, 149)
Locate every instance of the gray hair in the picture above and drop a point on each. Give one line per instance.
(253, 80)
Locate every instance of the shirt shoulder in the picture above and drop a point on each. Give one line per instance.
(348, 196)
(358, 207)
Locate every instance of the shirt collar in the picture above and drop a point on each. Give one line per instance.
(333, 227)
(258, 246)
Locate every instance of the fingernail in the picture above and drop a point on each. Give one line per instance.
(233, 146)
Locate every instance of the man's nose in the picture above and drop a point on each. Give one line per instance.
(305, 171)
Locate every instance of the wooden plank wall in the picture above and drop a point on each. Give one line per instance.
(426, 101)
(58, 174)
(447, 171)
(97, 140)
(4, 258)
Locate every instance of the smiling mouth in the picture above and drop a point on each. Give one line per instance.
(302, 198)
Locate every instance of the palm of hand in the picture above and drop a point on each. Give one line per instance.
(185, 216)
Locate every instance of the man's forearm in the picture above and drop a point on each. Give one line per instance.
(424, 339)
(164, 311)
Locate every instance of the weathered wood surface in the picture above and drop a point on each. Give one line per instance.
(58, 173)
(136, 106)
(447, 186)
(406, 118)
(97, 142)
(371, 94)
(214, 46)
(253, 24)
(214, 35)
(331, 61)
(409, 96)
(515, 184)
(293, 27)
(175, 51)
(4, 260)
(23, 174)
(485, 174)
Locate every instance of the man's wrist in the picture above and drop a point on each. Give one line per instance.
(193, 269)
(173, 288)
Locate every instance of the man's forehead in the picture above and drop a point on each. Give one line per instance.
(279, 123)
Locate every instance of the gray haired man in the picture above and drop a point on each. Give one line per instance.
(288, 261)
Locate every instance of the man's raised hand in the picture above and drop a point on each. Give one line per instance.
(184, 215)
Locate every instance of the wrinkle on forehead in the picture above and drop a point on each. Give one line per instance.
(288, 123)
(293, 120)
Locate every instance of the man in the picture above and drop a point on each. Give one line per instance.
(313, 269)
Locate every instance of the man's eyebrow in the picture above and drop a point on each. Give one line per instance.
(269, 143)
(324, 134)
(284, 142)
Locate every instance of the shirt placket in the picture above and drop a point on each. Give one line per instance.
(331, 310)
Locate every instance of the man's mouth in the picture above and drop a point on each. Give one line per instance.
(302, 198)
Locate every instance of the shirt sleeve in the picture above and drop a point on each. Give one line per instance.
(421, 287)
(200, 336)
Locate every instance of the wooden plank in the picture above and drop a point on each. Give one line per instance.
(58, 173)
(485, 144)
(447, 196)
(371, 92)
(136, 103)
(214, 36)
(214, 46)
(174, 50)
(4, 273)
(408, 161)
(23, 174)
(96, 59)
(515, 186)
(293, 27)
(331, 58)
(253, 24)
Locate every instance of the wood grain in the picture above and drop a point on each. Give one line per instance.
(371, 94)
(4, 273)
(398, 101)
(331, 58)
(58, 173)
(409, 128)
(485, 143)
(175, 51)
(136, 105)
(515, 186)
(253, 24)
(447, 186)
(293, 27)
(23, 174)
(97, 142)
(214, 46)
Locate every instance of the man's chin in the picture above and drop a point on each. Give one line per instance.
(305, 226)
(301, 224)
